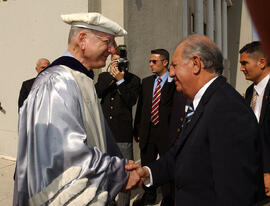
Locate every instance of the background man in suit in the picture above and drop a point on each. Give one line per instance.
(119, 91)
(256, 67)
(26, 85)
(217, 160)
(152, 121)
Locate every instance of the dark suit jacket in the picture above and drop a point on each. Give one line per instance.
(264, 123)
(143, 114)
(25, 89)
(217, 159)
(177, 116)
(117, 102)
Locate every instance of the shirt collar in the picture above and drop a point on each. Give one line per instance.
(164, 77)
(200, 93)
(68, 54)
(261, 85)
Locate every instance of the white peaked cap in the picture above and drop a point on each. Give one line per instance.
(94, 21)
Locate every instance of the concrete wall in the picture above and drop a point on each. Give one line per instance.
(151, 24)
(30, 29)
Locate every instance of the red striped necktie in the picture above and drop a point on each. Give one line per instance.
(155, 103)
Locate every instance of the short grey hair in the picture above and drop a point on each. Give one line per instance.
(206, 49)
(75, 30)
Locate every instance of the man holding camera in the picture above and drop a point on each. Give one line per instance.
(119, 90)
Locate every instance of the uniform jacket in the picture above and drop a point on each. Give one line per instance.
(143, 114)
(117, 102)
(264, 123)
(217, 159)
(25, 89)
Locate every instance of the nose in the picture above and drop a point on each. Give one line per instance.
(112, 49)
(242, 68)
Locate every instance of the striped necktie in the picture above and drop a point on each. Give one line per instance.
(189, 113)
(253, 99)
(155, 103)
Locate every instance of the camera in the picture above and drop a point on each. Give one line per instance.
(122, 61)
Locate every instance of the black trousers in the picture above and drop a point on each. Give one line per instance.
(150, 154)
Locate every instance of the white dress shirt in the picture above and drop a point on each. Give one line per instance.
(260, 88)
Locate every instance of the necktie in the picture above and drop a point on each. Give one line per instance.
(155, 103)
(253, 99)
(189, 113)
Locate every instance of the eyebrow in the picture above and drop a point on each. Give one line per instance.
(243, 62)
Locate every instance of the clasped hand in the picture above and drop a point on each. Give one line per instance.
(137, 175)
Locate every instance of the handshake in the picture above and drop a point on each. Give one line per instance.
(137, 175)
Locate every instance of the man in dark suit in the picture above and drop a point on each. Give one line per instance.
(217, 159)
(27, 85)
(119, 91)
(152, 134)
(256, 67)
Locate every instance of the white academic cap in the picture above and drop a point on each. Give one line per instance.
(95, 21)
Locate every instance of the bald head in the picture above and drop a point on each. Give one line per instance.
(42, 64)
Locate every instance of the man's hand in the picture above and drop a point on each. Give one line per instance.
(133, 180)
(267, 184)
(115, 72)
(141, 171)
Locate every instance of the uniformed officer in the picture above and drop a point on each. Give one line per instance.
(119, 91)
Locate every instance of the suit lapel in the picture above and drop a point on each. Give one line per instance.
(150, 86)
(166, 92)
(248, 94)
(265, 101)
(199, 111)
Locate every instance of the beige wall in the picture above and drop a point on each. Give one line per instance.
(30, 29)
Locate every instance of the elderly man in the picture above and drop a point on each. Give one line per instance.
(27, 85)
(216, 160)
(64, 143)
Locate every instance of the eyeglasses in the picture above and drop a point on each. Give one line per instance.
(155, 61)
(109, 42)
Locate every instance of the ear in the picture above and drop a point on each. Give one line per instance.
(81, 39)
(165, 62)
(197, 64)
(261, 63)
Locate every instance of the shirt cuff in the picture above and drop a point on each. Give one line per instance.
(148, 183)
(120, 81)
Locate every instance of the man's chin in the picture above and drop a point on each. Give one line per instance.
(99, 66)
(178, 88)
